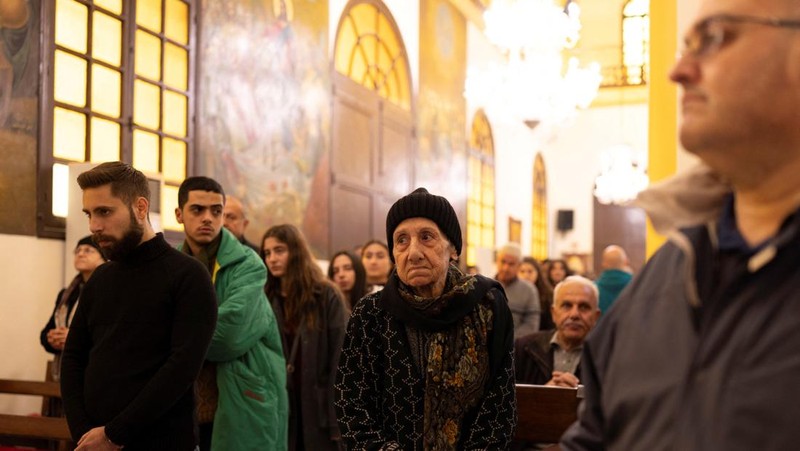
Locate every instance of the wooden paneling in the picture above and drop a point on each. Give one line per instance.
(350, 212)
(396, 167)
(623, 226)
(354, 135)
(372, 157)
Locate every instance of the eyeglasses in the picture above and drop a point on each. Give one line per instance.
(708, 35)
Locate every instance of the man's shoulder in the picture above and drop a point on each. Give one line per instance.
(538, 338)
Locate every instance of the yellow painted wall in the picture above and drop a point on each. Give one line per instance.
(663, 108)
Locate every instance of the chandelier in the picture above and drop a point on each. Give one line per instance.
(622, 176)
(532, 83)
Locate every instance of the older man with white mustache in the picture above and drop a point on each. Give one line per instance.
(552, 357)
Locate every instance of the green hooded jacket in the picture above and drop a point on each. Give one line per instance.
(253, 408)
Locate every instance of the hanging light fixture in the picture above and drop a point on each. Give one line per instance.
(623, 175)
(532, 84)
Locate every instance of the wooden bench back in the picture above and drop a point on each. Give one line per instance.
(545, 412)
(27, 427)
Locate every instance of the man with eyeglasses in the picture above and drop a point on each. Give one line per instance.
(702, 350)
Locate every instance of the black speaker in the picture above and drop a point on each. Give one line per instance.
(564, 221)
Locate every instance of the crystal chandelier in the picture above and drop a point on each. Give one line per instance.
(532, 84)
(622, 176)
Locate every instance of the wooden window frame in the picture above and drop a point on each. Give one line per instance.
(47, 224)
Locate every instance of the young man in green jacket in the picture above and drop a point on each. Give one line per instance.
(252, 408)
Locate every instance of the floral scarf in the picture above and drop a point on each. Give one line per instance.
(458, 324)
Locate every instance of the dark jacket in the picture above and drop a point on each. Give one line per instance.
(700, 352)
(319, 354)
(533, 358)
(380, 392)
(135, 347)
(51, 324)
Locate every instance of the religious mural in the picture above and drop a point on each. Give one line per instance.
(264, 105)
(19, 82)
(441, 105)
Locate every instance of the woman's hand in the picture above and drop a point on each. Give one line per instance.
(57, 337)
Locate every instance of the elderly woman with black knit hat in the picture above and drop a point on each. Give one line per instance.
(87, 258)
(427, 362)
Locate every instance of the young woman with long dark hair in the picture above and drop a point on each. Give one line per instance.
(348, 273)
(312, 318)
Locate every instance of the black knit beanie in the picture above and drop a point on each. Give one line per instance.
(90, 242)
(422, 204)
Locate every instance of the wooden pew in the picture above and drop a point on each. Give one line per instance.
(33, 431)
(545, 412)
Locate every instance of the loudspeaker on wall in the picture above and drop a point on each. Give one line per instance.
(564, 220)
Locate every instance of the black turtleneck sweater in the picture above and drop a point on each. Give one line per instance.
(135, 346)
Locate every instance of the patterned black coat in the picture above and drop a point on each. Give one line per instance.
(380, 391)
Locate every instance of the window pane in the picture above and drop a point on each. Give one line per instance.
(365, 15)
(69, 135)
(169, 201)
(345, 42)
(174, 113)
(106, 90)
(106, 38)
(145, 151)
(176, 24)
(174, 163)
(148, 55)
(176, 64)
(60, 189)
(104, 140)
(148, 14)
(115, 6)
(146, 104)
(69, 77)
(71, 25)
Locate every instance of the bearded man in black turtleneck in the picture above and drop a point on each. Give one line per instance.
(142, 328)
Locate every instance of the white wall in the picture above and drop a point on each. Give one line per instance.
(30, 278)
(572, 161)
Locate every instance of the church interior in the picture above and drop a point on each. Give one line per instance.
(537, 124)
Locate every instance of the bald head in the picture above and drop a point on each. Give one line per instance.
(235, 219)
(614, 257)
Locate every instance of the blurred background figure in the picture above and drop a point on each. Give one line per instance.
(617, 274)
(347, 271)
(523, 299)
(473, 270)
(531, 272)
(54, 334)
(236, 221)
(375, 257)
(558, 271)
(312, 318)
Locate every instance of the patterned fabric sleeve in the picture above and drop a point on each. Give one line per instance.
(496, 421)
(358, 382)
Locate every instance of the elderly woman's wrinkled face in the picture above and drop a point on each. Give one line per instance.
(422, 254)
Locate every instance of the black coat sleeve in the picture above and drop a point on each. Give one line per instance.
(51, 324)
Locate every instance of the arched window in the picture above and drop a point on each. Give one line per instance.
(480, 201)
(539, 230)
(636, 41)
(370, 51)
(119, 90)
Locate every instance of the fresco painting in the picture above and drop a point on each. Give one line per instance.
(441, 104)
(264, 90)
(19, 82)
